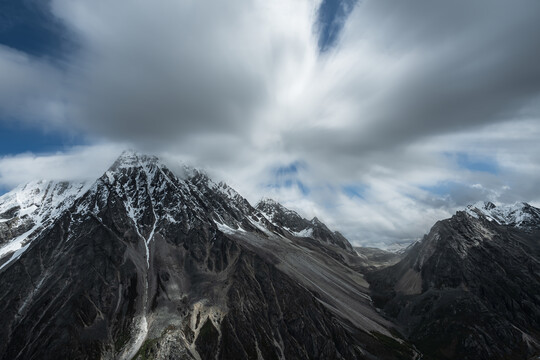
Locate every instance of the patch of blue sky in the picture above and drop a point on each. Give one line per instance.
(331, 18)
(303, 188)
(28, 26)
(290, 183)
(287, 176)
(354, 190)
(289, 169)
(475, 163)
(15, 139)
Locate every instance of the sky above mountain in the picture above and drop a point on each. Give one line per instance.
(379, 117)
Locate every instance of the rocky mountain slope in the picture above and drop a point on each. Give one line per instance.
(145, 263)
(471, 288)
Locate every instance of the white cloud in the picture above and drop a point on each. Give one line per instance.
(78, 164)
(30, 89)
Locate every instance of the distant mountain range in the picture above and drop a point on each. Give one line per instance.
(147, 263)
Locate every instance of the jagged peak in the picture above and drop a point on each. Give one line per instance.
(270, 207)
(298, 225)
(518, 214)
(266, 201)
(196, 174)
(488, 205)
(132, 158)
(270, 203)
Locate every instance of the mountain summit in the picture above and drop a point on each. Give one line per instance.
(298, 226)
(471, 288)
(144, 263)
(519, 215)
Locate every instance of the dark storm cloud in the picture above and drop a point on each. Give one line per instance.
(150, 73)
(145, 101)
(401, 72)
(441, 68)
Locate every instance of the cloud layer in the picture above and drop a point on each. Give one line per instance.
(418, 109)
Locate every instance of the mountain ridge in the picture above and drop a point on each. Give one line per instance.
(470, 289)
(149, 263)
(145, 264)
(519, 214)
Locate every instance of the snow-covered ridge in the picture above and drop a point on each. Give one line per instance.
(130, 158)
(518, 215)
(271, 209)
(292, 222)
(28, 209)
(142, 183)
(152, 195)
(38, 198)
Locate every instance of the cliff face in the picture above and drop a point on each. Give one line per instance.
(471, 288)
(144, 264)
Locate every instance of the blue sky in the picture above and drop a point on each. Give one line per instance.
(29, 26)
(287, 176)
(16, 138)
(468, 162)
(379, 117)
(331, 18)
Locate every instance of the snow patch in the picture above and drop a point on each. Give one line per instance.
(17, 243)
(307, 232)
(227, 229)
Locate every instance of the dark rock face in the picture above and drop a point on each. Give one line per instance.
(13, 226)
(470, 289)
(144, 264)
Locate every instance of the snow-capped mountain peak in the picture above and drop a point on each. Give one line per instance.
(154, 260)
(519, 214)
(271, 208)
(151, 195)
(131, 158)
